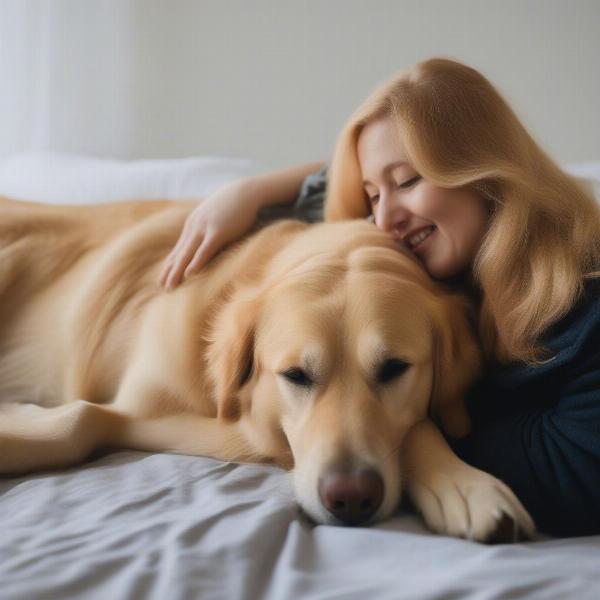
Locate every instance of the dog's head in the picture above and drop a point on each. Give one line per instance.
(344, 346)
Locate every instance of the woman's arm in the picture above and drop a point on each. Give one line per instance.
(279, 187)
(227, 214)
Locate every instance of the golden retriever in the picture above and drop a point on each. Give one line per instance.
(324, 349)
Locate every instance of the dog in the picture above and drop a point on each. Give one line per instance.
(324, 349)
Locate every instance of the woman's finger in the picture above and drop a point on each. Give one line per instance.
(203, 254)
(164, 274)
(172, 256)
(182, 261)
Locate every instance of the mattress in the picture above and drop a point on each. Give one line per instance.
(135, 525)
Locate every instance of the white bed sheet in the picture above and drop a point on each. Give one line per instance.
(134, 525)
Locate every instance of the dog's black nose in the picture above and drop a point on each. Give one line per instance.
(351, 497)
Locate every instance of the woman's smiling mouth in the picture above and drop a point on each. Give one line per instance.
(418, 238)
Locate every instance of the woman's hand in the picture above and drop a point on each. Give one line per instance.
(222, 217)
(226, 215)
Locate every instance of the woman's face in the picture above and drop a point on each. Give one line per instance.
(443, 227)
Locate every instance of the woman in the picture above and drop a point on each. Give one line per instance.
(441, 162)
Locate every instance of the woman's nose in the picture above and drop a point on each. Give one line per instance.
(389, 215)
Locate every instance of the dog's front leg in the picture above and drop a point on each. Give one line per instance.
(455, 498)
(186, 433)
(33, 438)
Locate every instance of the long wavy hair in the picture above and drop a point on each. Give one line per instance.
(543, 239)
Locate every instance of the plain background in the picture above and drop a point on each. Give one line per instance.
(274, 80)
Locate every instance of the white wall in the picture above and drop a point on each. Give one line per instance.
(275, 80)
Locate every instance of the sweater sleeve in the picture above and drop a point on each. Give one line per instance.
(311, 200)
(550, 457)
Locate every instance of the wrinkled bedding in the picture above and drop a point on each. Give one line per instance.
(135, 525)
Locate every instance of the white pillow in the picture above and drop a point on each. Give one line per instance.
(71, 179)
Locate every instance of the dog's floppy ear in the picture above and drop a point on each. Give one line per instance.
(457, 364)
(231, 352)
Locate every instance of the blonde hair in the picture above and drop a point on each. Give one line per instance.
(543, 238)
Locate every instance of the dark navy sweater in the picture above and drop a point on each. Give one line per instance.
(537, 428)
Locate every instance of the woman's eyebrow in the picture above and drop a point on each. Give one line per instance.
(390, 167)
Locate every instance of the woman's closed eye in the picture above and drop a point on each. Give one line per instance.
(409, 182)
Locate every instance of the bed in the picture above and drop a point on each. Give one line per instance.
(136, 525)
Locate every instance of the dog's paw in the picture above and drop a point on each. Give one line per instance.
(474, 505)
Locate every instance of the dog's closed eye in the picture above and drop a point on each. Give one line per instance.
(297, 376)
(391, 369)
